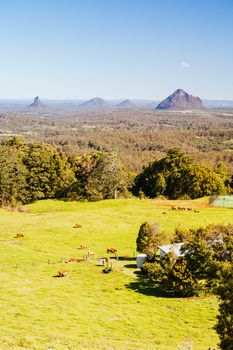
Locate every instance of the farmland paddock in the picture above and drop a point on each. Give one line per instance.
(88, 301)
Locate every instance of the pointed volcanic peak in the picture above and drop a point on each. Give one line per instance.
(37, 104)
(126, 104)
(96, 102)
(181, 100)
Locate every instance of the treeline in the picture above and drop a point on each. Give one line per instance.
(30, 171)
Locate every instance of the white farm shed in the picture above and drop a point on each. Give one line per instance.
(141, 258)
(171, 248)
(163, 249)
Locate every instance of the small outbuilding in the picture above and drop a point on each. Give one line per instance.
(163, 249)
(141, 258)
(171, 248)
(221, 201)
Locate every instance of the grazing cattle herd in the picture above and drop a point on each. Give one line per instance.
(74, 259)
(90, 254)
(184, 209)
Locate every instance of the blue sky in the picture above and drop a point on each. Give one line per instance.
(77, 49)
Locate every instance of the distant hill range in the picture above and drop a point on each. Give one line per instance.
(94, 102)
(181, 100)
(126, 104)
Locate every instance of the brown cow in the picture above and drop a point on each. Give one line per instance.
(62, 273)
(173, 208)
(77, 226)
(181, 208)
(82, 246)
(111, 251)
(19, 235)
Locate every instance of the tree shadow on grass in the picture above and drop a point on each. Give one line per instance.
(153, 291)
(126, 258)
(142, 288)
(130, 266)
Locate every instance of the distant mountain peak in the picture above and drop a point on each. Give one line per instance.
(94, 102)
(37, 103)
(126, 104)
(180, 99)
(37, 100)
(180, 92)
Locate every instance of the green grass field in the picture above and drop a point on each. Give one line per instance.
(89, 309)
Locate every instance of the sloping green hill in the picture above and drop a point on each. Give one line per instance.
(88, 309)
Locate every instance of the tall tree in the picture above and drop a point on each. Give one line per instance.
(48, 171)
(165, 177)
(31, 171)
(204, 181)
(99, 176)
(109, 179)
(148, 239)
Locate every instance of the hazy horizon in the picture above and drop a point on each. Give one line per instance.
(116, 49)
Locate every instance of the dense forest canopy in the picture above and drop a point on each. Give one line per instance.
(138, 136)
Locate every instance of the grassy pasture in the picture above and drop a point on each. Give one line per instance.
(88, 309)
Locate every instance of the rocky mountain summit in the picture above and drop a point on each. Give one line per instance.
(94, 102)
(37, 104)
(126, 104)
(181, 100)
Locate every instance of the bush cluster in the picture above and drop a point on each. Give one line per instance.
(206, 256)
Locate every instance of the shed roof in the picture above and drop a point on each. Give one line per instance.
(172, 248)
(222, 201)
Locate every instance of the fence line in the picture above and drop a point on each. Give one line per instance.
(35, 263)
